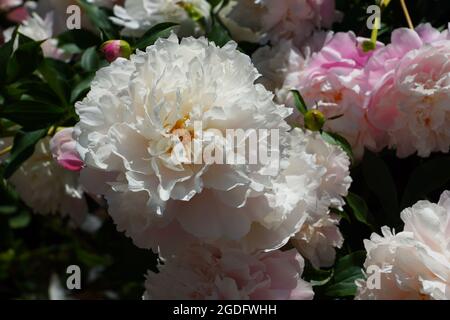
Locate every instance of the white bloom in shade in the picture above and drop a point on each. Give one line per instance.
(128, 133)
(320, 235)
(318, 239)
(47, 188)
(335, 163)
(274, 20)
(414, 264)
(39, 29)
(138, 16)
(209, 273)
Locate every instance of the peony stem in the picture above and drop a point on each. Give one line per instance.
(407, 16)
(374, 35)
(5, 151)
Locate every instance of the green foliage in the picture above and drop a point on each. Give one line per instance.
(161, 30)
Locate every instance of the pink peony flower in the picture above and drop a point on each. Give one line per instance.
(334, 82)
(206, 272)
(411, 91)
(63, 148)
(413, 264)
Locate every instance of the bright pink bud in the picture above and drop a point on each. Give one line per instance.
(114, 49)
(63, 148)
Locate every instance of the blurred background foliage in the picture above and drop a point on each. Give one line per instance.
(36, 250)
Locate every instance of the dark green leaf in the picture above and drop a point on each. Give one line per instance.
(6, 51)
(81, 39)
(32, 114)
(161, 30)
(90, 60)
(7, 210)
(23, 148)
(299, 102)
(99, 18)
(218, 33)
(81, 88)
(359, 208)
(346, 271)
(20, 221)
(56, 74)
(341, 213)
(24, 60)
(340, 141)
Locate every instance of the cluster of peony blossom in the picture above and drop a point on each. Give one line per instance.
(394, 96)
(220, 229)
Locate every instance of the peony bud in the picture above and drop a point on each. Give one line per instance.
(63, 148)
(114, 49)
(314, 120)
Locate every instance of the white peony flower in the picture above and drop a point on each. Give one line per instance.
(318, 239)
(39, 29)
(274, 20)
(329, 170)
(415, 263)
(128, 135)
(205, 273)
(138, 16)
(47, 188)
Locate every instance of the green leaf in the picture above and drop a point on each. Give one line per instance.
(218, 33)
(347, 270)
(24, 60)
(344, 215)
(55, 73)
(428, 177)
(91, 259)
(161, 30)
(79, 38)
(35, 90)
(81, 88)
(317, 277)
(340, 141)
(381, 183)
(299, 102)
(32, 115)
(359, 208)
(23, 148)
(6, 51)
(7, 210)
(99, 17)
(90, 60)
(20, 221)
